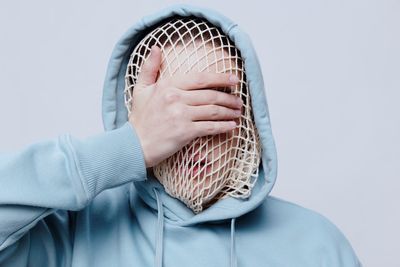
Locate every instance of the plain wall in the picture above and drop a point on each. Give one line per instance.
(332, 75)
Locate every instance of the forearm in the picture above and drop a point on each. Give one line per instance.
(64, 173)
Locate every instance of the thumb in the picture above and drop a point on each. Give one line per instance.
(149, 70)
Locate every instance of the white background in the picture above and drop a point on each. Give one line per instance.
(332, 75)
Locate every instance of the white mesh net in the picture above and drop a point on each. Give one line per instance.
(210, 167)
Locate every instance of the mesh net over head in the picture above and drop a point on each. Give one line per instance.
(210, 167)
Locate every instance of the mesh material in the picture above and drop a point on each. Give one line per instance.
(209, 167)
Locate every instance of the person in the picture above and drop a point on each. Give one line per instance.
(212, 167)
(108, 200)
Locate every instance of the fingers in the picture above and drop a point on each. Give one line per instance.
(212, 112)
(201, 80)
(204, 128)
(204, 97)
(149, 70)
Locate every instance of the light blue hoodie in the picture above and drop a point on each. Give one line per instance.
(92, 202)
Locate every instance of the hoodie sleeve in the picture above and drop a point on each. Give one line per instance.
(63, 174)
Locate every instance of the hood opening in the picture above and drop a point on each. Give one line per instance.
(115, 115)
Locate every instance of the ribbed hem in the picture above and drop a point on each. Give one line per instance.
(110, 159)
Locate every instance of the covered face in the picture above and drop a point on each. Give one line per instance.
(209, 167)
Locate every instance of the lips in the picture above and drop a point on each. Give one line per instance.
(197, 163)
(197, 157)
(204, 170)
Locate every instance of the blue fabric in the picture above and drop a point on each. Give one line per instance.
(92, 202)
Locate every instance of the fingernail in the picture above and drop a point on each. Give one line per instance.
(239, 101)
(238, 112)
(233, 79)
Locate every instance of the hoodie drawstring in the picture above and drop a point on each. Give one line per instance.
(160, 231)
(160, 235)
(233, 244)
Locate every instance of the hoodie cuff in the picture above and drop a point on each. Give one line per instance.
(110, 159)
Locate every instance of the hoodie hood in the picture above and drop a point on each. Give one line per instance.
(115, 115)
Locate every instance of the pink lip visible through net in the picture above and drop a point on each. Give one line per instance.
(209, 168)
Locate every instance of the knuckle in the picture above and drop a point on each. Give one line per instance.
(178, 111)
(215, 112)
(210, 128)
(174, 114)
(171, 97)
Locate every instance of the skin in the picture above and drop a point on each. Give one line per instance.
(200, 176)
(158, 105)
